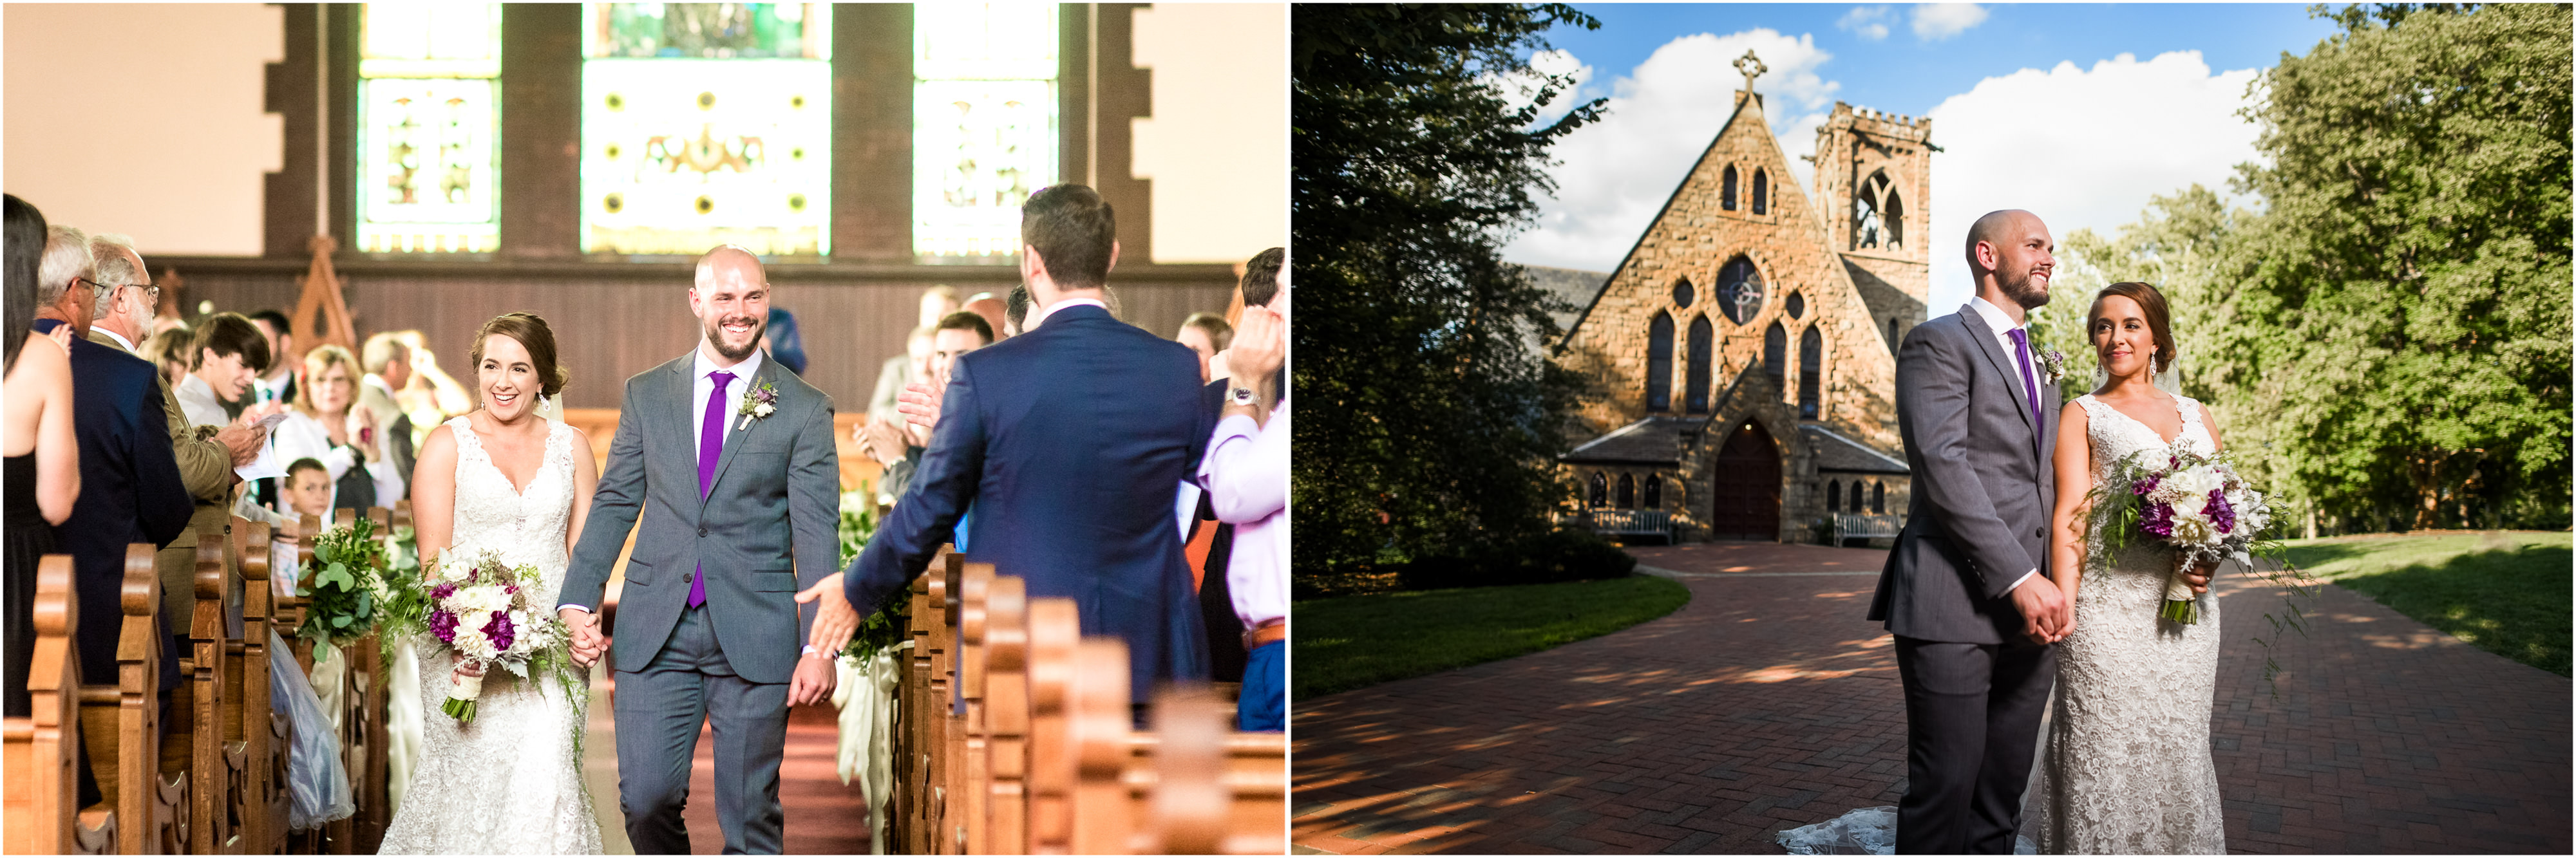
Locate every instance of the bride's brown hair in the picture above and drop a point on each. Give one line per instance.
(531, 332)
(2150, 302)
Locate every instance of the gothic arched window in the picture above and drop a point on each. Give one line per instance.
(1654, 492)
(1877, 215)
(1811, 365)
(1701, 335)
(1600, 494)
(1893, 343)
(1855, 499)
(1627, 492)
(1761, 191)
(1659, 363)
(1834, 496)
(1877, 497)
(1739, 290)
(1726, 189)
(1775, 352)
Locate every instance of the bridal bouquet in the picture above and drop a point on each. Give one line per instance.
(2194, 504)
(487, 612)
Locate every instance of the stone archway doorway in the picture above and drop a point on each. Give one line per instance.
(1747, 495)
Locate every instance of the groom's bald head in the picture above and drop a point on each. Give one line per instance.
(729, 262)
(1991, 230)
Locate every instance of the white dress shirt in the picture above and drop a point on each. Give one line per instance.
(120, 340)
(302, 436)
(263, 390)
(701, 387)
(2003, 327)
(1246, 472)
(198, 401)
(1039, 317)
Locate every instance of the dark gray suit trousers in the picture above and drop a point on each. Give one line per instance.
(658, 713)
(1972, 724)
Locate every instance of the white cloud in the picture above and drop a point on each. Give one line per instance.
(1936, 21)
(1615, 174)
(2079, 148)
(1868, 22)
(1521, 88)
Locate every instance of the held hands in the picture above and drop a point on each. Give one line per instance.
(881, 440)
(586, 639)
(2047, 615)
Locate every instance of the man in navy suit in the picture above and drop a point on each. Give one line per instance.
(1072, 440)
(131, 490)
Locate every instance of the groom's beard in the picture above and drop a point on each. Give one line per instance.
(715, 337)
(2021, 292)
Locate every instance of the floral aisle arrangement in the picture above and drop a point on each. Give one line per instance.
(347, 588)
(868, 671)
(486, 612)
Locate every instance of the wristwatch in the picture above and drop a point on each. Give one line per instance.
(1241, 396)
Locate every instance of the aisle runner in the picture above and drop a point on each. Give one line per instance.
(823, 817)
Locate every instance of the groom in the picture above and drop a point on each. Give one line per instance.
(1966, 591)
(729, 457)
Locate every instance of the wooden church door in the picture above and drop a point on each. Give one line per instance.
(1747, 495)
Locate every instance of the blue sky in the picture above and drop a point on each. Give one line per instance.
(2080, 113)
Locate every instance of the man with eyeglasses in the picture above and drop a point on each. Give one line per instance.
(131, 490)
(206, 455)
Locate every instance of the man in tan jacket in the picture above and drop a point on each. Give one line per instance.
(206, 458)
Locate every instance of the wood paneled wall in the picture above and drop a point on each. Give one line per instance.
(610, 327)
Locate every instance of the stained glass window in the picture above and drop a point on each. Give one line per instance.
(984, 123)
(429, 114)
(705, 124)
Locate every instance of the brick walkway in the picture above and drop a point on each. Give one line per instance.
(1769, 702)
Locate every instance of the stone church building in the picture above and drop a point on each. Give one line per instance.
(1742, 357)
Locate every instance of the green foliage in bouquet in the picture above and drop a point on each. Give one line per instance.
(345, 587)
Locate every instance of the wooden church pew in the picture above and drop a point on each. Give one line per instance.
(42, 749)
(266, 731)
(373, 768)
(218, 758)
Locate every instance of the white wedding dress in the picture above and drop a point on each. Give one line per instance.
(509, 783)
(2126, 766)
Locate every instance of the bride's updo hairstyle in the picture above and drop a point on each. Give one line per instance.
(2149, 301)
(531, 332)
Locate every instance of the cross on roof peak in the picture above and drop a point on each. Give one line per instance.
(1752, 67)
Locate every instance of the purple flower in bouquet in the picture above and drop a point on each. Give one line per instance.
(2221, 516)
(2142, 487)
(442, 591)
(443, 624)
(2157, 519)
(499, 631)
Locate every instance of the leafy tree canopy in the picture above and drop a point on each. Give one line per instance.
(1420, 135)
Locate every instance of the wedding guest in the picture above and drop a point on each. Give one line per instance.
(165, 316)
(168, 349)
(131, 490)
(782, 342)
(388, 365)
(1246, 474)
(277, 383)
(898, 444)
(323, 425)
(1207, 334)
(1051, 459)
(892, 379)
(43, 454)
(1015, 311)
(306, 491)
(206, 457)
(433, 395)
(1259, 282)
(989, 306)
(225, 362)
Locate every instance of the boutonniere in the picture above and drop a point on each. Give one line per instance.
(2053, 362)
(761, 400)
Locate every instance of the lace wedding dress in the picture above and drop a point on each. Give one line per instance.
(510, 782)
(2126, 767)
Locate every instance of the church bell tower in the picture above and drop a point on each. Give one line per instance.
(1874, 183)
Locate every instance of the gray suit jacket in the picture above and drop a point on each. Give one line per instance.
(768, 527)
(1982, 493)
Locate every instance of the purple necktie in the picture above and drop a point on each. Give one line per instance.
(710, 450)
(2029, 383)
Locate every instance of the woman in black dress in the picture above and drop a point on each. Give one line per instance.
(40, 473)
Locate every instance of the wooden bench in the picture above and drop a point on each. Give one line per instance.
(1038, 755)
(40, 753)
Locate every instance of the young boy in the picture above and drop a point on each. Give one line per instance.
(306, 490)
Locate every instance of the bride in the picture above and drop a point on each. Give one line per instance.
(498, 479)
(2126, 767)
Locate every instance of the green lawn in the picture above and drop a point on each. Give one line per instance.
(1356, 641)
(2505, 592)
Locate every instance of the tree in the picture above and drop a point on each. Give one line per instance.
(2415, 258)
(1419, 139)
